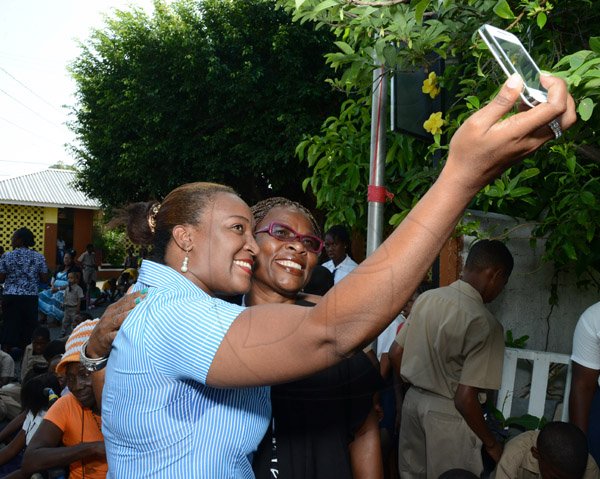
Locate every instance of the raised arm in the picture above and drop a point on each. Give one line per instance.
(272, 343)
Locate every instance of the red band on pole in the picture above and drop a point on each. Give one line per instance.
(379, 194)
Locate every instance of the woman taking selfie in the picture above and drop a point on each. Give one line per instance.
(185, 393)
(325, 425)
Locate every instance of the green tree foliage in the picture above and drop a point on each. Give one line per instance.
(218, 90)
(557, 187)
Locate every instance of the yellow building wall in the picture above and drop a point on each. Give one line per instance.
(13, 217)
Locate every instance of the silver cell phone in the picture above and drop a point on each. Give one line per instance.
(510, 53)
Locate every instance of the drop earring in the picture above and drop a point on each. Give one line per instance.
(184, 265)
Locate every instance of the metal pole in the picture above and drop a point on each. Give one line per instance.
(378, 153)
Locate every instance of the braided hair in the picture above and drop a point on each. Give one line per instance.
(262, 208)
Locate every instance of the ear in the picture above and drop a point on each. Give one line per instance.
(535, 452)
(182, 236)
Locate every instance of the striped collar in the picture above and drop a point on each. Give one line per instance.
(161, 276)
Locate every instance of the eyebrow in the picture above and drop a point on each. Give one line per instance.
(239, 217)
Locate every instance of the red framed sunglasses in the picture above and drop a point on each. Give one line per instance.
(286, 234)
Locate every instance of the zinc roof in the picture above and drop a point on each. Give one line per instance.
(50, 188)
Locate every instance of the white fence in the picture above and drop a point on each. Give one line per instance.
(539, 381)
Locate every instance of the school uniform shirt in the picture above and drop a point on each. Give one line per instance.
(341, 270)
(31, 424)
(449, 339)
(160, 418)
(452, 338)
(517, 461)
(7, 365)
(73, 295)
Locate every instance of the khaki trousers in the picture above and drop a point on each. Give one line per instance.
(435, 438)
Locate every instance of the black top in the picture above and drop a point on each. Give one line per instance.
(315, 420)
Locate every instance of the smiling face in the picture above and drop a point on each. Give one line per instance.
(283, 267)
(222, 247)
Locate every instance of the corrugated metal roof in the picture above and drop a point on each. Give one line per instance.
(52, 188)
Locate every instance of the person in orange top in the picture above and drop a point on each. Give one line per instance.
(71, 432)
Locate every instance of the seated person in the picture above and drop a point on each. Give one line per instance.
(7, 368)
(37, 395)
(558, 451)
(10, 391)
(53, 354)
(70, 433)
(33, 357)
(127, 278)
(109, 294)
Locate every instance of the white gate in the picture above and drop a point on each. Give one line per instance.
(539, 381)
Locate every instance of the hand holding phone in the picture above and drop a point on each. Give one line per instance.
(512, 57)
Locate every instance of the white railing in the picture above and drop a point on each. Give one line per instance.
(539, 380)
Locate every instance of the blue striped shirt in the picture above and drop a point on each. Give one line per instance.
(159, 418)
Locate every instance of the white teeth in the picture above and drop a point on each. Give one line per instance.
(243, 264)
(290, 264)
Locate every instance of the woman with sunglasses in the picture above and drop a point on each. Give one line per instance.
(186, 394)
(322, 426)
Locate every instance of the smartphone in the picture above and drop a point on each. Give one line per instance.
(510, 53)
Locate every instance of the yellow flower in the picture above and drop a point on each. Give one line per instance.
(434, 123)
(430, 85)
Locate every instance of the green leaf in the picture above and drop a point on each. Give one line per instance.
(420, 10)
(527, 421)
(347, 49)
(595, 44)
(541, 19)
(474, 101)
(305, 183)
(570, 251)
(571, 162)
(502, 9)
(577, 59)
(586, 108)
(520, 191)
(325, 5)
(529, 173)
(588, 198)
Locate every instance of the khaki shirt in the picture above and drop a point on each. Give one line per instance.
(450, 338)
(517, 461)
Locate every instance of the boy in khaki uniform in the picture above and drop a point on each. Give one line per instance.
(559, 450)
(451, 350)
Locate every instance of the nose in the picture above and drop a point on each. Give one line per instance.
(251, 244)
(296, 245)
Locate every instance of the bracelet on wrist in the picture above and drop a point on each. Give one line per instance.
(91, 364)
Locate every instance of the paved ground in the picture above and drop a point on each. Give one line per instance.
(55, 328)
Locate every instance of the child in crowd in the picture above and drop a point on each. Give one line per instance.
(109, 294)
(71, 302)
(33, 358)
(37, 395)
(71, 432)
(7, 368)
(10, 406)
(53, 354)
(558, 451)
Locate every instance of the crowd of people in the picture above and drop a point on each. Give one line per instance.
(233, 354)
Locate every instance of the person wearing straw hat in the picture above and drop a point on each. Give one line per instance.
(71, 432)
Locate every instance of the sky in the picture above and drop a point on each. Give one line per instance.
(38, 40)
